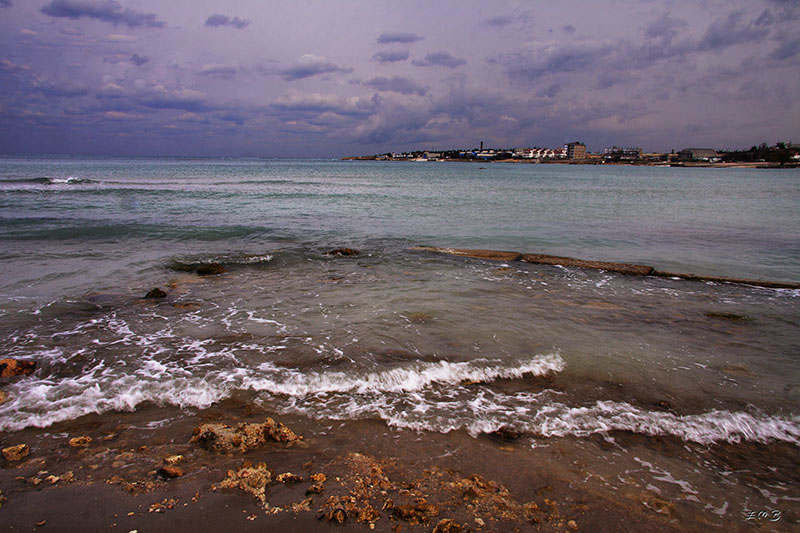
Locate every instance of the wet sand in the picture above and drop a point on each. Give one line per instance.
(488, 483)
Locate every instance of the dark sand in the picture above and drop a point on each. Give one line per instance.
(484, 483)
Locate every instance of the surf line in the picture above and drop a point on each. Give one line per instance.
(621, 268)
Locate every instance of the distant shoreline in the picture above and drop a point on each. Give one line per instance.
(687, 164)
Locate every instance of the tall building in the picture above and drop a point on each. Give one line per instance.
(576, 150)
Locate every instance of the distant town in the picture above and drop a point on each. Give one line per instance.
(778, 155)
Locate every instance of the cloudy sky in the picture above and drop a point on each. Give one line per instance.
(311, 78)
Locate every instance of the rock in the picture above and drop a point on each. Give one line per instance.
(221, 438)
(156, 293)
(727, 316)
(572, 524)
(15, 453)
(3, 397)
(15, 367)
(334, 510)
(251, 479)
(506, 433)
(288, 477)
(170, 471)
(343, 251)
(415, 512)
(80, 442)
(448, 525)
(210, 269)
(173, 459)
(492, 255)
(621, 268)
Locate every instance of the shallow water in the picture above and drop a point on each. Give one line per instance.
(655, 384)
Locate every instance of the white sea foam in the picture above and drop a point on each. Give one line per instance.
(423, 396)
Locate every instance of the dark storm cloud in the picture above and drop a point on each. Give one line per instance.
(218, 71)
(185, 100)
(223, 20)
(531, 66)
(665, 27)
(310, 65)
(105, 10)
(765, 18)
(730, 31)
(788, 48)
(138, 60)
(440, 59)
(299, 105)
(397, 84)
(398, 37)
(391, 56)
(550, 91)
(500, 21)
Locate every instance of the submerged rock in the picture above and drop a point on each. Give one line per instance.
(15, 367)
(621, 268)
(727, 316)
(506, 433)
(210, 269)
(16, 453)
(343, 251)
(155, 293)
(492, 255)
(221, 438)
(3, 397)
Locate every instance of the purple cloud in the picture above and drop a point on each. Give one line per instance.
(218, 71)
(391, 56)
(222, 20)
(397, 84)
(138, 60)
(398, 37)
(440, 59)
(105, 10)
(310, 65)
(500, 21)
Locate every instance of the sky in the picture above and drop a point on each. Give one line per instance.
(309, 78)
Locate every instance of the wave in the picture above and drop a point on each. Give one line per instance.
(70, 180)
(438, 396)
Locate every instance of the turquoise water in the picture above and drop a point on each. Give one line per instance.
(420, 341)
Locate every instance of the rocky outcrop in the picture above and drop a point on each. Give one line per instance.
(492, 255)
(156, 293)
(221, 438)
(630, 269)
(621, 268)
(16, 367)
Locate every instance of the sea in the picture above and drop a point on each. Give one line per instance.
(678, 397)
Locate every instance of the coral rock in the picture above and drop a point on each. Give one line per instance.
(15, 453)
(80, 442)
(14, 367)
(223, 439)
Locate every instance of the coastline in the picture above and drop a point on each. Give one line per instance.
(590, 162)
